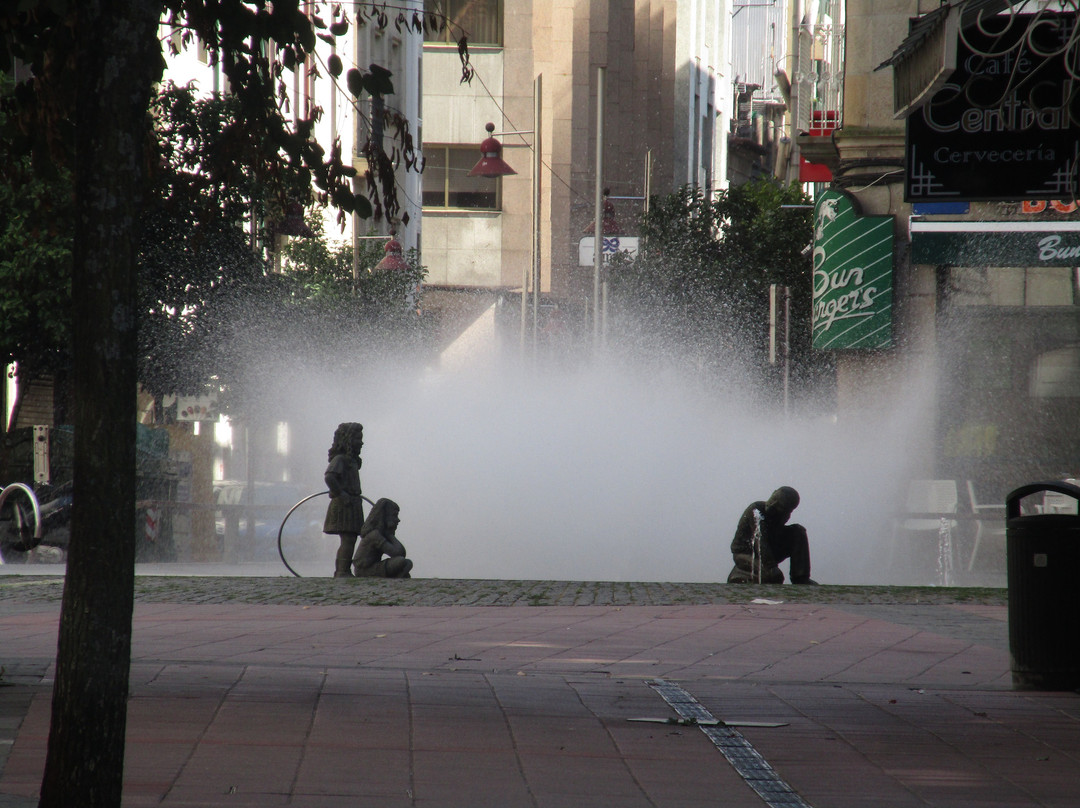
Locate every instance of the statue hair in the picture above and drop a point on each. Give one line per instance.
(343, 439)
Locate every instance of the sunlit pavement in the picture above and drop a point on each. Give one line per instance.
(310, 692)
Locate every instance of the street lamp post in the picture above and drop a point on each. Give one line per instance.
(493, 166)
(394, 262)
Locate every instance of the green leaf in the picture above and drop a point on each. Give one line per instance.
(354, 80)
(377, 81)
(362, 207)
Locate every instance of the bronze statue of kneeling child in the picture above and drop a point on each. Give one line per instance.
(764, 538)
(378, 538)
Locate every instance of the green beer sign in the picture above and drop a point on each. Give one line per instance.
(853, 269)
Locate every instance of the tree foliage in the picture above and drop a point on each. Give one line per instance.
(256, 44)
(698, 291)
(82, 108)
(215, 164)
(204, 279)
(196, 259)
(321, 318)
(324, 275)
(35, 266)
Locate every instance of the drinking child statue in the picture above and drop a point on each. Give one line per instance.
(764, 538)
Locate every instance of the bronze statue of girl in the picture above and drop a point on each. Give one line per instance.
(345, 514)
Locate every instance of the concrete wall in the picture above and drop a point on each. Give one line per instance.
(874, 30)
(463, 249)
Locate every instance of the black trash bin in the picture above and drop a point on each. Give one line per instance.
(1043, 554)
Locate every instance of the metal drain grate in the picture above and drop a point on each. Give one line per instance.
(743, 757)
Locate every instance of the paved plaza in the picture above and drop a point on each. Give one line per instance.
(315, 692)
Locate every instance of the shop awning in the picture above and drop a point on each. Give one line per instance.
(996, 244)
(927, 57)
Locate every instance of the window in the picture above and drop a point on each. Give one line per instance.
(479, 20)
(447, 183)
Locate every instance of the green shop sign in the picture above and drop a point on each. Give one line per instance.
(853, 276)
(996, 244)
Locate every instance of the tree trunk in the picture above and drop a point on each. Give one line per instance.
(118, 59)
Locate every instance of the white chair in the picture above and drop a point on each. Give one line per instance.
(989, 522)
(930, 500)
(1053, 502)
(929, 503)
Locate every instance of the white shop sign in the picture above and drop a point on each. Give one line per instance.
(612, 245)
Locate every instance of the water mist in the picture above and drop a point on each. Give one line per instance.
(597, 472)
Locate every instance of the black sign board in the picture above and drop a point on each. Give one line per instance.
(1006, 125)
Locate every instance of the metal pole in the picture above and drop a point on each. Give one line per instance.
(358, 130)
(538, 90)
(603, 311)
(598, 202)
(787, 349)
(648, 178)
(525, 283)
(772, 323)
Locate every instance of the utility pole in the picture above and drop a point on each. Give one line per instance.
(780, 297)
(598, 204)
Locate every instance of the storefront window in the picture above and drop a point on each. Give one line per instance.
(1009, 349)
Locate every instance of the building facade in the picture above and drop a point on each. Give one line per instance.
(665, 98)
(938, 121)
(787, 60)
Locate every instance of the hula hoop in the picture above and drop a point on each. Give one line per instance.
(281, 552)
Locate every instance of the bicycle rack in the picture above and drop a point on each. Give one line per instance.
(7, 490)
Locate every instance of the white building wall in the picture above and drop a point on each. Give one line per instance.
(463, 249)
(704, 85)
(759, 44)
(400, 52)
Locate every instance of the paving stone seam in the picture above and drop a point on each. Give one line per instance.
(518, 762)
(941, 739)
(201, 737)
(411, 790)
(740, 753)
(614, 743)
(308, 731)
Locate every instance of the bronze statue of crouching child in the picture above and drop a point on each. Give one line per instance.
(378, 538)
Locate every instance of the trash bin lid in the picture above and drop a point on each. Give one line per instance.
(1012, 501)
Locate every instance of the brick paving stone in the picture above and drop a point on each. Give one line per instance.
(314, 692)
